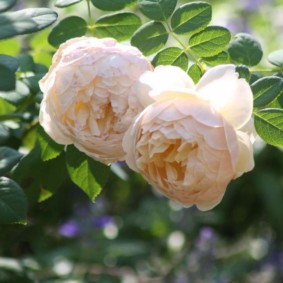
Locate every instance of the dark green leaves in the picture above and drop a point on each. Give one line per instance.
(13, 205)
(244, 49)
(121, 26)
(158, 10)
(8, 79)
(110, 5)
(10, 62)
(68, 28)
(66, 3)
(269, 125)
(86, 173)
(25, 21)
(171, 56)
(16, 96)
(276, 58)
(268, 121)
(191, 18)
(150, 38)
(210, 41)
(221, 58)
(8, 159)
(266, 89)
(6, 4)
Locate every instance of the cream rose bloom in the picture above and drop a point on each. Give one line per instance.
(191, 140)
(89, 96)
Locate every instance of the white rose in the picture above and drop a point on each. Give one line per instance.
(191, 140)
(89, 97)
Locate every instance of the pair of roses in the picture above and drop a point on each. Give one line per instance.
(188, 141)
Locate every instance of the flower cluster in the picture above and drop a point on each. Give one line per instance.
(188, 141)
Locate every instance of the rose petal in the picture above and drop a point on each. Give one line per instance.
(163, 78)
(246, 161)
(229, 95)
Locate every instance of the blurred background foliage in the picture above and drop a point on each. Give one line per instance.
(132, 235)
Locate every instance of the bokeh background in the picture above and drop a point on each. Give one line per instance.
(131, 234)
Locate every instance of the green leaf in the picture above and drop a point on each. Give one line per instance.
(10, 62)
(191, 18)
(210, 42)
(244, 49)
(25, 21)
(13, 204)
(16, 96)
(158, 10)
(4, 133)
(221, 58)
(269, 125)
(6, 107)
(49, 148)
(120, 26)
(195, 73)
(276, 58)
(6, 5)
(243, 72)
(68, 28)
(85, 172)
(66, 3)
(110, 5)
(150, 38)
(26, 62)
(171, 56)
(8, 78)
(266, 89)
(32, 170)
(8, 159)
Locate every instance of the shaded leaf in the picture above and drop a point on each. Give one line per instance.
(10, 62)
(6, 4)
(266, 89)
(244, 49)
(171, 56)
(32, 170)
(8, 78)
(120, 26)
(66, 3)
(191, 18)
(25, 21)
(13, 204)
(243, 72)
(66, 29)
(150, 38)
(158, 10)
(110, 5)
(276, 58)
(16, 96)
(221, 58)
(8, 159)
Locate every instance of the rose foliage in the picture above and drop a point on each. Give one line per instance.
(179, 100)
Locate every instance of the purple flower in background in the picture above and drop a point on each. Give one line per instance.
(69, 229)
(251, 5)
(102, 221)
